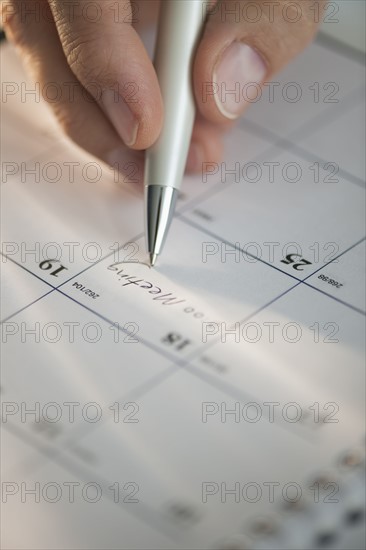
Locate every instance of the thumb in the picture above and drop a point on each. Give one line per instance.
(244, 44)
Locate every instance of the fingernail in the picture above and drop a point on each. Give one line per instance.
(120, 116)
(195, 157)
(239, 66)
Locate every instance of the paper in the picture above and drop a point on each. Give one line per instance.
(216, 401)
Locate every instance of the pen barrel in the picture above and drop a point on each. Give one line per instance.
(180, 28)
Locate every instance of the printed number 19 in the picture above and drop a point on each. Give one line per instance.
(49, 264)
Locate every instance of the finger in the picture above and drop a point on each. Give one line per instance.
(145, 13)
(107, 56)
(76, 111)
(244, 44)
(206, 145)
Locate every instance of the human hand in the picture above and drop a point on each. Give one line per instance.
(111, 103)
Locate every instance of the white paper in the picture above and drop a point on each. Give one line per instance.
(185, 404)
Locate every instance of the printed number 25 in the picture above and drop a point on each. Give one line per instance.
(290, 259)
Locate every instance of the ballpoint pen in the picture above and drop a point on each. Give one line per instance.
(180, 28)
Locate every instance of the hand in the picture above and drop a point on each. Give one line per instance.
(111, 103)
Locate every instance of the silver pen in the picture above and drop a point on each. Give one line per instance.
(180, 28)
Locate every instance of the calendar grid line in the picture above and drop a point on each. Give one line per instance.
(219, 186)
(72, 466)
(232, 391)
(246, 319)
(186, 363)
(221, 385)
(354, 308)
(216, 340)
(306, 155)
(31, 303)
(8, 258)
(235, 247)
(336, 257)
(285, 143)
(216, 237)
(276, 143)
(292, 146)
(25, 307)
(140, 391)
(186, 378)
(143, 341)
(330, 43)
(133, 240)
(213, 235)
(178, 364)
(309, 127)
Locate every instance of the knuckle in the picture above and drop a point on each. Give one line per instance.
(88, 59)
(78, 48)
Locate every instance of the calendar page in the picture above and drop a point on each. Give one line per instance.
(217, 400)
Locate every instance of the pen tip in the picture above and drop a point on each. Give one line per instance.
(153, 258)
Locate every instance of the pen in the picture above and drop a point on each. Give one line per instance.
(180, 27)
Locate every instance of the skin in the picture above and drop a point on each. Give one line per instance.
(58, 48)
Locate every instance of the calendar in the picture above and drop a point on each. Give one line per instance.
(216, 401)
